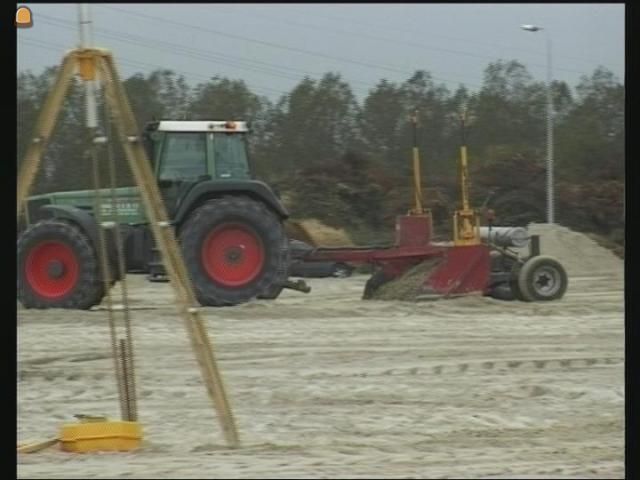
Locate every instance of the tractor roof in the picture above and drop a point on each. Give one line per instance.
(202, 126)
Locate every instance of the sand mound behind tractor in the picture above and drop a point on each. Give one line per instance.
(316, 233)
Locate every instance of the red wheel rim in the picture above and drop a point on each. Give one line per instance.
(232, 255)
(52, 269)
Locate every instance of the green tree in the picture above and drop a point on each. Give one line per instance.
(64, 165)
(383, 120)
(510, 114)
(172, 92)
(224, 99)
(315, 123)
(590, 140)
(422, 93)
(144, 99)
(388, 133)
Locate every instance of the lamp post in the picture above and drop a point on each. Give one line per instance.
(550, 196)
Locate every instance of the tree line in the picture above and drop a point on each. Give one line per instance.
(321, 133)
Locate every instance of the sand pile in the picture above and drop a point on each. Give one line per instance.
(316, 233)
(327, 386)
(409, 286)
(579, 254)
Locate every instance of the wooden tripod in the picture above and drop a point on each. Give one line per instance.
(92, 64)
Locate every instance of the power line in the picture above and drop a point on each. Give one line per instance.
(307, 25)
(136, 63)
(475, 42)
(153, 44)
(182, 50)
(140, 64)
(278, 46)
(395, 40)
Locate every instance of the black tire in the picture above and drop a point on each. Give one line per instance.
(276, 288)
(513, 282)
(505, 291)
(58, 267)
(502, 292)
(263, 237)
(374, 283)
(542, 278)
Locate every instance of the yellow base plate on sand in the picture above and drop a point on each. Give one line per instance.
(101, 436)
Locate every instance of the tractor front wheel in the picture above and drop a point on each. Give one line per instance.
(58, 267)
(235, 249)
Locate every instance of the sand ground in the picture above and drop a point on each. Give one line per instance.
(327, 385)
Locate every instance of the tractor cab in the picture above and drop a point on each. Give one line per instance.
(189, 151)
(185, 152)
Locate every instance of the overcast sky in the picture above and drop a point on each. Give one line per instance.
(273, 46)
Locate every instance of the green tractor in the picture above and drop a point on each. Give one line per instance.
(229, 225)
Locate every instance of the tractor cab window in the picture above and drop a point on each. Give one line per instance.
(230, 154)
(184, 156)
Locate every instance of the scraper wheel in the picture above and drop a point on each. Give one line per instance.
(542, 278)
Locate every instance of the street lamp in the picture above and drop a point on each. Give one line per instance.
(550, 199)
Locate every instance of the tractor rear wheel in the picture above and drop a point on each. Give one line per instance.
(234, 249)
(542, 278)
(58, 267)
(276, 288)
